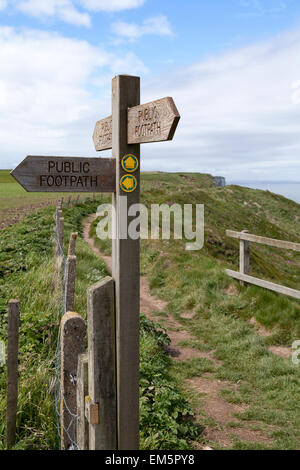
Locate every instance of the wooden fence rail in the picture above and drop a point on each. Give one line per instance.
(243, 276)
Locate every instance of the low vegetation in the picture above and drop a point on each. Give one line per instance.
(29, 272)
(238, 324)
(234, 325)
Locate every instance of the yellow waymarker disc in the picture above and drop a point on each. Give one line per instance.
(130, 163)
(128, 183)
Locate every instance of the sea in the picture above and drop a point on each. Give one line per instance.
(288, 190)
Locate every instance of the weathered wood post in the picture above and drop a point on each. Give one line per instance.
(73, 343)
(12, 371)
(61, 234)
(59, 214)
(102, 403)
(82, 392)
(244, 257)
(126, 268)
(72, 244)
(70, 278)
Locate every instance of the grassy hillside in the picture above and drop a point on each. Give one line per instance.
(233, 208)
(265, 386)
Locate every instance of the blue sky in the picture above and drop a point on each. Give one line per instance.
(232, 66)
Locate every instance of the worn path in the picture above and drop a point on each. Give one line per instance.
(221, 433)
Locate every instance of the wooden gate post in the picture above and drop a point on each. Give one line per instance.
(82, 392)
(73, 343)
(126, 268)
(244, 257)
(70, 278)
(61, 221)
(102, 373)
(12, 371)
(72, 244)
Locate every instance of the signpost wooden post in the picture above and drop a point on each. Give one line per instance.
(126, 270)
(130, 125)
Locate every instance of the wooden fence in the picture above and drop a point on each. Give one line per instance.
(243, 275)
(72, 348)
(87, 381)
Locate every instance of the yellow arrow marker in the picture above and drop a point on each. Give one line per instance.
(128, 183)
(130, 163)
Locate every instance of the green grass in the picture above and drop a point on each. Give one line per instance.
(195, 281)
(28, 272)
(268, 385)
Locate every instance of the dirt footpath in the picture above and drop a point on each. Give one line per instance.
(207, 386)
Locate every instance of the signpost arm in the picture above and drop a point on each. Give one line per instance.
(126, 270)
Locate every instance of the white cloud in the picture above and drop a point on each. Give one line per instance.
(63, 9)
(158, 25)
(240, 109)
(69, 10)
(111, 5)
(254, 8)
(239, 113)
(46, 100)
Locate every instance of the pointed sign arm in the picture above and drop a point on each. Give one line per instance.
(151, 122)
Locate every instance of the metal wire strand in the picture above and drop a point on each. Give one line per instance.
(59, 397)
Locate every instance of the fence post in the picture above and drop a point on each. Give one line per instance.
(12, 371)
(61, 233)
(70, 277)
(72, 244)
(102, 364)
(73, 343)
(82, 392)
(244, 257)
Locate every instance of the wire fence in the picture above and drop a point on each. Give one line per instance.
(59, 397)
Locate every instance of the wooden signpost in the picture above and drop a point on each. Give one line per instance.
(130, 125)
(66, 174)
(152, 122)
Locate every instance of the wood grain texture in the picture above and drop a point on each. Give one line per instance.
(102, 373)
(152, 122)
(102, 136)
(244, 256)
(72, 244)
(82, 392)
(126, 270)
(12, 371)
(70, 278)
(263, 240)
(265, 284)
(66, 174)
(73, 343)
